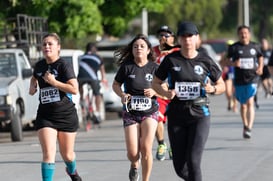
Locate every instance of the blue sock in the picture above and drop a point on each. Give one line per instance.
(71, 167)
(48, 170)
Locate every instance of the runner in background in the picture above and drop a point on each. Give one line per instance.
(166, 45)
(228, 76)
(90, 64)
(247, 59)
(266, 77)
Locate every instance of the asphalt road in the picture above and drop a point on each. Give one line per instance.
(101, 153)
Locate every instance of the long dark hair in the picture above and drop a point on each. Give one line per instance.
(126, 53)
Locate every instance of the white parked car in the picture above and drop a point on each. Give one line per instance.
(73, 55)
(111, 100)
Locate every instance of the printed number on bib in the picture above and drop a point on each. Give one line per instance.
(187, 90)
(49, 95)
(140, 103)
(247, 63)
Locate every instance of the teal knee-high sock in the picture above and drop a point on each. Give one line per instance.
(48, 170)
(71, 167)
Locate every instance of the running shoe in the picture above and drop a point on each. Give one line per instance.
(247, 133)
(161, 151)
(75, 176)
(133, 174)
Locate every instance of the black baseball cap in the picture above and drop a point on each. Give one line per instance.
(187, 27)
(165, 28)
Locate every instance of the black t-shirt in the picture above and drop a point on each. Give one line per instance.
(248, 55)
(53, 100)
(189, 75)
(89, 66)
(266, 55)
(177, 68)
(136, 79)
(270, 62)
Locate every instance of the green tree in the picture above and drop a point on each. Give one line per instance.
(205, 13)
(230, 16)
(117, 15)
(71, 18)
(74, 18)
(261, 16)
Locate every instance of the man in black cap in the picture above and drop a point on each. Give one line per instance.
(187, 72)
(166, 39)
(166, 46)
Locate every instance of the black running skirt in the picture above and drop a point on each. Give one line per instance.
(66, 121)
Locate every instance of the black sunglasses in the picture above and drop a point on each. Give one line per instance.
(165, 35)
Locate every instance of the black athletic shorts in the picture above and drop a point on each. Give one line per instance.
(95, 85)
(65, 121)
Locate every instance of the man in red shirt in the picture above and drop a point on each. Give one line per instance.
(166, 46)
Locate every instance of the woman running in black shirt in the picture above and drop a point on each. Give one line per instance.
(189, 74)
(136, 72)
(56, 116)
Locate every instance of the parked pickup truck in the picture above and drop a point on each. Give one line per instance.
(17, 108)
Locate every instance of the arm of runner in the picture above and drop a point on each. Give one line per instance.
(259, 70)
(71, 86)
(218, 88)
(117, 89)
(33, 86)
(103, 75)
(158, 86)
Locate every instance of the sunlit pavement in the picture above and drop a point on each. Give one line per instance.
(101, 153)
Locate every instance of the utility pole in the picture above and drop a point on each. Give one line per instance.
(246, 12)
(243, 12)
(144, 22)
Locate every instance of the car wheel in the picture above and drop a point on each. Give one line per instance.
(16, 125)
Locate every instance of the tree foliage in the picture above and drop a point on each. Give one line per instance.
(230, 15)
(117, 14)
(75, 18)
(205, 13)
(261, 17)
(79, 18)
(260, 14)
